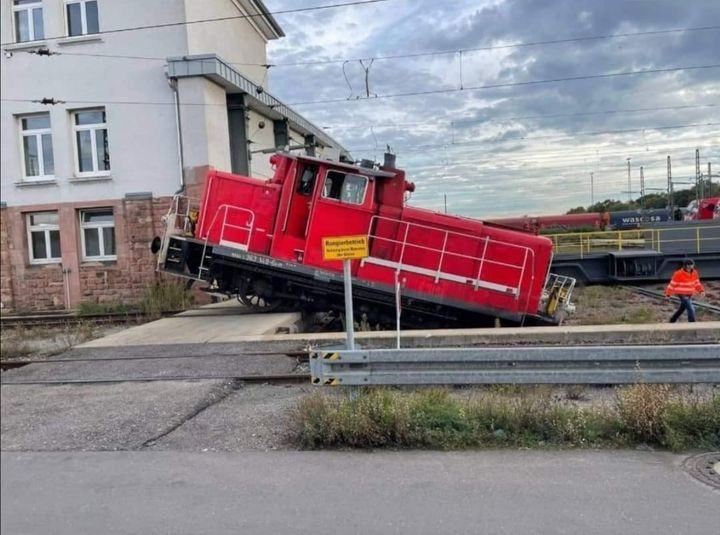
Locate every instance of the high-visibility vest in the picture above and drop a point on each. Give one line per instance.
(684, 283)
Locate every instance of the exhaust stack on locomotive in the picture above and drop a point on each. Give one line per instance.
(261, 240)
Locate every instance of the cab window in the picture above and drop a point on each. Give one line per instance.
(306, 184)
(345, 187)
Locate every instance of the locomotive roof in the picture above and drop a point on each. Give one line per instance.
(333, 163)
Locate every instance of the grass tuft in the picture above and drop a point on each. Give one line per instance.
(441, 419)
(642, 410)
(165, 296)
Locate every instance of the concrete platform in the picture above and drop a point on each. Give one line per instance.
(201, 326)
(234, 334)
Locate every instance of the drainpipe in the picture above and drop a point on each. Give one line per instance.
(66, 282)
(178, 125)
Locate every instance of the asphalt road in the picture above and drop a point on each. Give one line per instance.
(494, 492)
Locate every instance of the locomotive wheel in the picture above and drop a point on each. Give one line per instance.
(252, 300)
(259, 303)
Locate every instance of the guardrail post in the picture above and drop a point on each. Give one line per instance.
(619, 240)
(697, 238)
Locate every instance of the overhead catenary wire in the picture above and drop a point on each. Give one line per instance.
(510, 84)
(410, 55)
(560, 162)
(219, 19)
(469, 120)
(406, 148)
(400, 95)
(548, 136)
(586, 153)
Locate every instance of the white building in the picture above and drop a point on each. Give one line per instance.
(140, 98)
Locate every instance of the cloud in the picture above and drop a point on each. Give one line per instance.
(511, 150)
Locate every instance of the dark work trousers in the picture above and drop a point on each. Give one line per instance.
(686, 303)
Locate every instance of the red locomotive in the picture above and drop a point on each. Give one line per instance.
(261, 240)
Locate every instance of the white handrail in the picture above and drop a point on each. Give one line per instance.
(528, 253)
(225, 208)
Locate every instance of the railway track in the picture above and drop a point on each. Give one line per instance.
(595, 356)
(660, 295)
(64, 319)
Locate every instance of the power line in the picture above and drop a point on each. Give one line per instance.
(499, 47)
(459, 122)
(411, 54)
(530, 138)
(220, 19)
(639, 155)
(102, 102)
(510, 84)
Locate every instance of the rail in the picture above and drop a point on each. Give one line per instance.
(689, 239)
(661, 295)
(441, 270)
(696, 363)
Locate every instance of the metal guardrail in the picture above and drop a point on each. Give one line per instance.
(514, 365)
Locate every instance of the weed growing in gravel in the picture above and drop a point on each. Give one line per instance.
(642, 409)
(165, 296)
(436, 419)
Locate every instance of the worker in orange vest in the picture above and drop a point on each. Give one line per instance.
(685, 283)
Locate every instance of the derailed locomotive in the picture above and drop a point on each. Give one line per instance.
(261, 240)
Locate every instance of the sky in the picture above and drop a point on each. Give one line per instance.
(514, 149)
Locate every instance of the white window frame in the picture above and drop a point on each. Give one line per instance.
(46, 228)
(37, 133)
(101, 240)
(93, 143)
(83, 17)
(31, 22)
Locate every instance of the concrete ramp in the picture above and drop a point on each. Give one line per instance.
(204, 325)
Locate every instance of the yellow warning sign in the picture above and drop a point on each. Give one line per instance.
(345, 247)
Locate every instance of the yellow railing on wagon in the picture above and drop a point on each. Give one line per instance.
(582, 243)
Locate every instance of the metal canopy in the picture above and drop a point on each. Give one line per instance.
(212, 67)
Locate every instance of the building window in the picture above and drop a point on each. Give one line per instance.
(97, 232)
(345, 187)
(38, 160)
(82, 17)
(28, 19)
(91, 143)
(43, 237)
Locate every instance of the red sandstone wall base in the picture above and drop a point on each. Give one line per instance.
(31, 288)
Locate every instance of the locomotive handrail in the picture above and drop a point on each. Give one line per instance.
(249, 226)
(477, 281)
